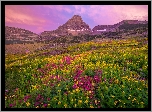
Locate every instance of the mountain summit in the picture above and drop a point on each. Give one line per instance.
(74, 26)
(76, 23)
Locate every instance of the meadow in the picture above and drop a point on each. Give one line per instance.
(108, 74)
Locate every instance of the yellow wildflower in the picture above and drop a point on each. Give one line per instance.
(86, 101)
(128, 98)
(115, 102)
(27, 103)
(77, 90)
(34, 87)
(123, 86)
(77, 82)
(116, 81)
(87, 97)
(59, 102)
(90, 92)
(91, 106)
(59, 90)
(37, 106)
(74, 91)
(134, 99)
(80, 101)
(95, 101)
(112, 96)
(141, 102)
(65, 105)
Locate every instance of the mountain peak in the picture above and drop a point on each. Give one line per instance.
(76, 17)
(74, 26)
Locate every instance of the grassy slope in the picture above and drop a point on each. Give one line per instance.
(124, 64)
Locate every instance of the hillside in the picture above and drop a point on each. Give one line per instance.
(18, 35)
(108, 74)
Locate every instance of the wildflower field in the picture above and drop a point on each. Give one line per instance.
(109, 74)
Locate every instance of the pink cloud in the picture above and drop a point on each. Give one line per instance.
(117, 13)
(16, 14)
(79, 9)
(59, 8)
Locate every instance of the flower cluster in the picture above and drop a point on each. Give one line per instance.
(87, 83)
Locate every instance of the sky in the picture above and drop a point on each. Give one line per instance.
(39, 18)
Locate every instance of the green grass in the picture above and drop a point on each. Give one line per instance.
(116, 73)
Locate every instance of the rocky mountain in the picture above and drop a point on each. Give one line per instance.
(75, 30)
(74, 26)
(17, 35)
(123, 25)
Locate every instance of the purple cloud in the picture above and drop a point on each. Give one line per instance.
(39, 18)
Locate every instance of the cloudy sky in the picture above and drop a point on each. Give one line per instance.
(39, 18)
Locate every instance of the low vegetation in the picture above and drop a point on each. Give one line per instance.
(106, 74)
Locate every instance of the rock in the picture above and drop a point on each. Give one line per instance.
(74, 26)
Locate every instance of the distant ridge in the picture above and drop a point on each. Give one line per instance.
(75, 26)
(117, 27)
(15, 35)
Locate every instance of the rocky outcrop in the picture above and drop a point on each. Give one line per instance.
(18, 34)
(125, 24)
(74, 26)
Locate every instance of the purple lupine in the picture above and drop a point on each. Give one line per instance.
(41, 76)
(74, 86)
(48, 99)
(61, 66)
(11, 105)
(54, 65)
(20, 101)
(42, 98)
(38, 97)
(75, 77)
(80, 83)
(97, 79)
(66, 93)
(51, 84)
(110, 80)
(78, 72)
(6, 90)
(91, 96)
(105, 79)
(26, 97)
(98, 72)
(45, 105)
(68, 60)
(36, 104)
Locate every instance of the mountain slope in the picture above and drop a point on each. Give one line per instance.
(15, 35)
(123, 25)
(74, 26)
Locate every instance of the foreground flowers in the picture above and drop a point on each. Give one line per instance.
(112, 76)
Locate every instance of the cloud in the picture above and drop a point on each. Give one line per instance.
(114, 13)
(59, 8)
(17, 15)
(49, 17)
(80, 9)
